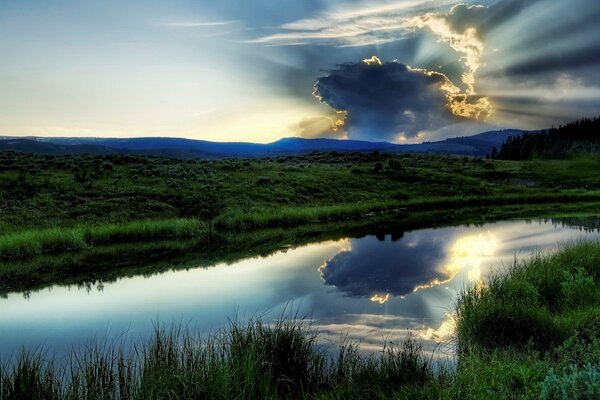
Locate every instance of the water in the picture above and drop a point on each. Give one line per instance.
(371, 289)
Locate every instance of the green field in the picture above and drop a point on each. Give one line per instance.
(63, 203)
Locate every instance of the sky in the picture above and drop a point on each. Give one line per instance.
(256, 71)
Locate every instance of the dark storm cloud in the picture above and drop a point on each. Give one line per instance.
(485, 19)
(378, 267)
(384, 101)
(566, 59)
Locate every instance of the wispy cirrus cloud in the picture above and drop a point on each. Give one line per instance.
(204, 28)
(199, 24)
(351, 27)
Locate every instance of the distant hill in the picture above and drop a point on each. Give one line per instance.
(578, 137)
(485, 141)
(42, 147)
(477, 145)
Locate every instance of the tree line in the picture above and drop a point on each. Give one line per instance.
(578, 137)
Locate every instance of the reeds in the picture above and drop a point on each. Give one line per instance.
(246, 361)
(536, 303)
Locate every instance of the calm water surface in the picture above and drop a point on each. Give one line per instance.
(370, 289)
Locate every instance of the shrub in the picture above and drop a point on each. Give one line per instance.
(394, 164)
(263, 180)
(575, 384)
(578, 289)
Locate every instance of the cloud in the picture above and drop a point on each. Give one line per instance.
(349, 27)
(205, 29)
(199, 24)
(464, 41)
(566, 60)
(391, 100)
(374, 268)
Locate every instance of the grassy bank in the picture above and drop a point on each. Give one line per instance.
(106, 263)
(68, 191)
(534, 330)
(35, 241)
(529, 333)
(53, 240)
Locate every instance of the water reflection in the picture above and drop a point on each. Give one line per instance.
(370, 289)
(378, 268)
(375, 267)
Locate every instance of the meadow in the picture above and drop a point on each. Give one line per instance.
(53, 204)
(530, 333)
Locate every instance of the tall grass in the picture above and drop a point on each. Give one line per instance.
(539, 302)
(140, 230)
(30, 242)
(36, 241)
(293, 216)
(26, 243)
(246, 361)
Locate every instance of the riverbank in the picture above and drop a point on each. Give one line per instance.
(530, 332)
(28, 243)
(104, 263)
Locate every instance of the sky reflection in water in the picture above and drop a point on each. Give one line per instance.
(369, 289)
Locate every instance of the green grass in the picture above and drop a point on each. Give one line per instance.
(52, 240)
(288, 216)
(143, 230)
(113, 193)
(542, 314)
(30, 242)
(545, 300)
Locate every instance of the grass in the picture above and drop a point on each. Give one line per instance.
(246, 361)
(30, 242)
(541, 315)
(287, 216)
(52, 240)
(49, 202)
(545, 300)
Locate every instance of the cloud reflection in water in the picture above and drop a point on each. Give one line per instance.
(377, 269)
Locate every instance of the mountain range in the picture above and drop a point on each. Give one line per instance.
(476, 145)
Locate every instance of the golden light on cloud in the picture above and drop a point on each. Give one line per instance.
(345, 247)
(374, 60)
(339, 119)
(463, 104)
(443, 332)
(380, 298)
(467, 252)
(466, 43)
